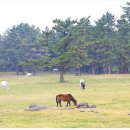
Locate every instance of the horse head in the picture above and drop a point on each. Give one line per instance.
(75, 103)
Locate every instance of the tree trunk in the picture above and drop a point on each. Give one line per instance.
(61, 77)
(125, 68)
(17, 70)
(93, 68)
(109, 69)
(23, 73)
(93, 71)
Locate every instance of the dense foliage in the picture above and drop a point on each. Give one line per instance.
(101, 48)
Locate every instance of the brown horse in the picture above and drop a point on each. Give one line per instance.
(65, 97)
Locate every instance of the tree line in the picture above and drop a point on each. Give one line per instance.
(99, 48)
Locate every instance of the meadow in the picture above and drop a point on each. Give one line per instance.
(110, 94)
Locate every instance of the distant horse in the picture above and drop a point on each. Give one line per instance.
(4, 84)
(28, 74)
(82, 84)
(65, 97)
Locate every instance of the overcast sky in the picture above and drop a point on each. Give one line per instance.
(41, 12)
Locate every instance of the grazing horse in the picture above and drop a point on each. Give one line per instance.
(65, 97)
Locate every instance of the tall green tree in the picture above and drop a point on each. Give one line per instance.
(3, 62)
(101, 47)
(20, 41)
(68, 49)
(123, 40)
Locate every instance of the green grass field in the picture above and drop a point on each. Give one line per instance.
(110, 94)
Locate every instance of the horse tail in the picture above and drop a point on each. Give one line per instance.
(56, 98)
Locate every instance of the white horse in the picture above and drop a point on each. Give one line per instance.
(82, 84)
(4, 84)
(28, 74)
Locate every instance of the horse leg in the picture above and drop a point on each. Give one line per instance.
(83, 86)
(57, 101)
(60, 103)
(67, 104)
(57, 104)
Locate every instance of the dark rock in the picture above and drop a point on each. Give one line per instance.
(93, 106)
(82, 105)
(32, 106)
(85, 105)
(35, 108)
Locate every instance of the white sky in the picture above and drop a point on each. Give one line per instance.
(41, 12)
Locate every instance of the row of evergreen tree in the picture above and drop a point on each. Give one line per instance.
(101, 48)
